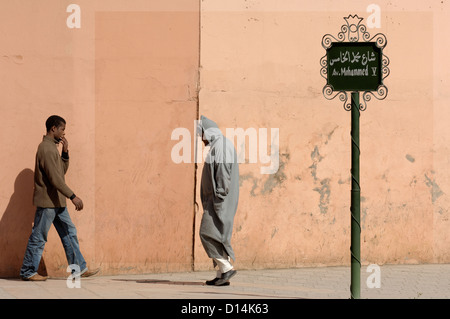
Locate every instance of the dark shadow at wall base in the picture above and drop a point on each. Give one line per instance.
(15, 226)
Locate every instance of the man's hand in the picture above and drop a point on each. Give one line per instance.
(78, 203)
(65, 144)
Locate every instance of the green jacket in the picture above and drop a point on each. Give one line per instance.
(50, 189)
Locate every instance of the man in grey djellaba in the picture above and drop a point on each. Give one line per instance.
(219, 193)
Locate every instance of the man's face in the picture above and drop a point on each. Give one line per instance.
(59, 132)
(205, 141)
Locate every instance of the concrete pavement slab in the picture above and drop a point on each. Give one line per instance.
(396, 282)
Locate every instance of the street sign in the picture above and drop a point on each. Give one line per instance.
(354, 62)
(354, 66)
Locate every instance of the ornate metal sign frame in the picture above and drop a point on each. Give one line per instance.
(354, 31)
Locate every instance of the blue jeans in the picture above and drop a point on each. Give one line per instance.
(67, 232)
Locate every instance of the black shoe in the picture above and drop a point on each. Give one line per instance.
(225, 278)
(213, 282)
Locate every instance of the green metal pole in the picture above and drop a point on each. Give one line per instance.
(355, 208)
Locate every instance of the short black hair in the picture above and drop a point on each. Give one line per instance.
(54, 120)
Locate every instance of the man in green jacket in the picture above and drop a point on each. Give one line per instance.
(50, 193)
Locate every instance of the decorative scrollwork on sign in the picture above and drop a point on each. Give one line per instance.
(323, 69)
(354, 31)
(379, 39)
(329, 94)
(381, 94)
(384, 63)
(327, 40)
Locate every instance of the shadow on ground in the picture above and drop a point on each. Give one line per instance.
(165, 282)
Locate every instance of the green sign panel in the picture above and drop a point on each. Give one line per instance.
(354, 66)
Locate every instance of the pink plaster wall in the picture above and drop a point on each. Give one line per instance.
(260, 68)
(146, 78)
(121, 81)
(137, 70)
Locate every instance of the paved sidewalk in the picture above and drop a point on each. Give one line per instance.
(397, 281)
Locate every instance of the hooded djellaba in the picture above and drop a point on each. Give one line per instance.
(219, 194)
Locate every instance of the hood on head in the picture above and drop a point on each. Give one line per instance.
(209, 128)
